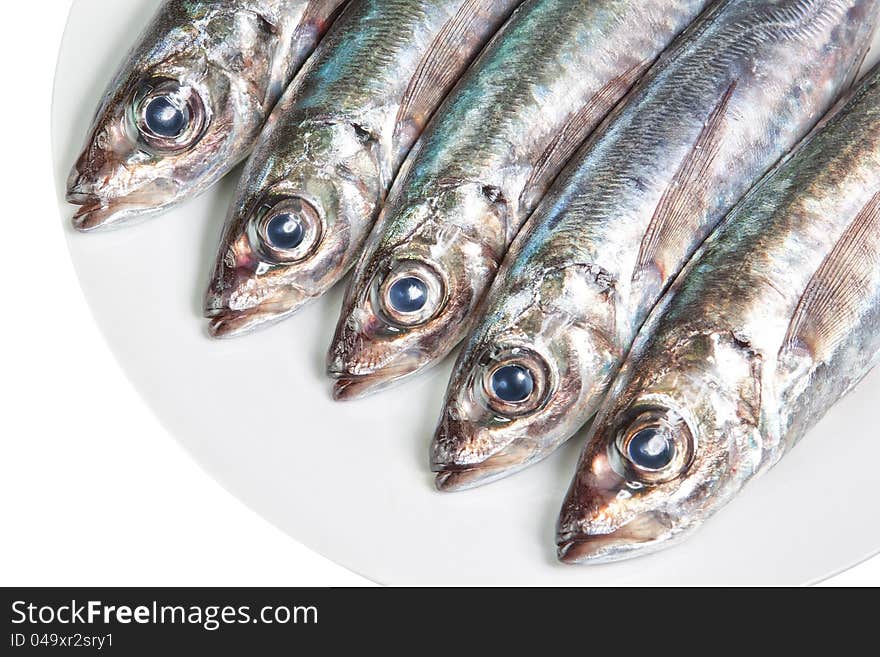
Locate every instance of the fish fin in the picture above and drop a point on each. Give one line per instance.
(671, 223)
(834, 294)
(440, 66)
(576, 129)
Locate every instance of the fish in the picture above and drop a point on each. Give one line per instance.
(773, 321)
(188, 102)
(493, 150)
(323, 166)
(720, 108)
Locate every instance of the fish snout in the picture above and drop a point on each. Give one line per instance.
(467, 452)
(239, 300)
(354, 380)
(638, 536)
(362, 359)
(603, 517)
(80, 189)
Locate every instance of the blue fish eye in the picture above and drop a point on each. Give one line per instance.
(285, 231)
(408, 295)
(651, 449)
(512, 383)
(164, 118)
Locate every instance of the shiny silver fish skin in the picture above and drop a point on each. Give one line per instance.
(493, 150)
(721, 107)
(231, 59)
(333, 146)
(775, 319)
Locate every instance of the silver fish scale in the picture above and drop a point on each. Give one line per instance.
(488, 130)
(588, 215)
(737, 90)
(491, 152)
(775, 318)
(751, 274)
(335, 142)
(345, 77)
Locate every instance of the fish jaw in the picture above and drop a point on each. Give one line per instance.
(473, 447)
(352, 381)
(355, 380)
(453, 478)
(641, 536)
(235, 323)
(351, 387)
(365, 362)
(95, 212)
(113, 180)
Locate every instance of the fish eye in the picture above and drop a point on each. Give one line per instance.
(412, 293)
(287, 229)
(515, 381)
(657, 446)
(164, 117)
(512, 383)
(168, 117)
(650, 449)
(408, 295)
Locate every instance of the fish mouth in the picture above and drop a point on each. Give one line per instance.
(95, 213)
(456, 479)
(355, 382)
(228, 323)
(92, 211)
(349, 386)
(638, 537)
(453, 477)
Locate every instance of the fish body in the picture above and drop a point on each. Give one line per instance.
(491, 153)
(746, 82)
(776, 318)
(188, 103)
(332, 148)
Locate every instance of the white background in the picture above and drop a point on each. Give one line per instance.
(94, 491)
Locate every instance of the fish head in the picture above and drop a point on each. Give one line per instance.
(676, 440)
(414, 293)
(171, 123)
(520, 386)
(295, 226)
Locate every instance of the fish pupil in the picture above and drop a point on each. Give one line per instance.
(512, 383)
(651, 449)
(285, 231)
(164, 118)
(408, 295)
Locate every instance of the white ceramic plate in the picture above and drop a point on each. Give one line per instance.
(351, 480)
